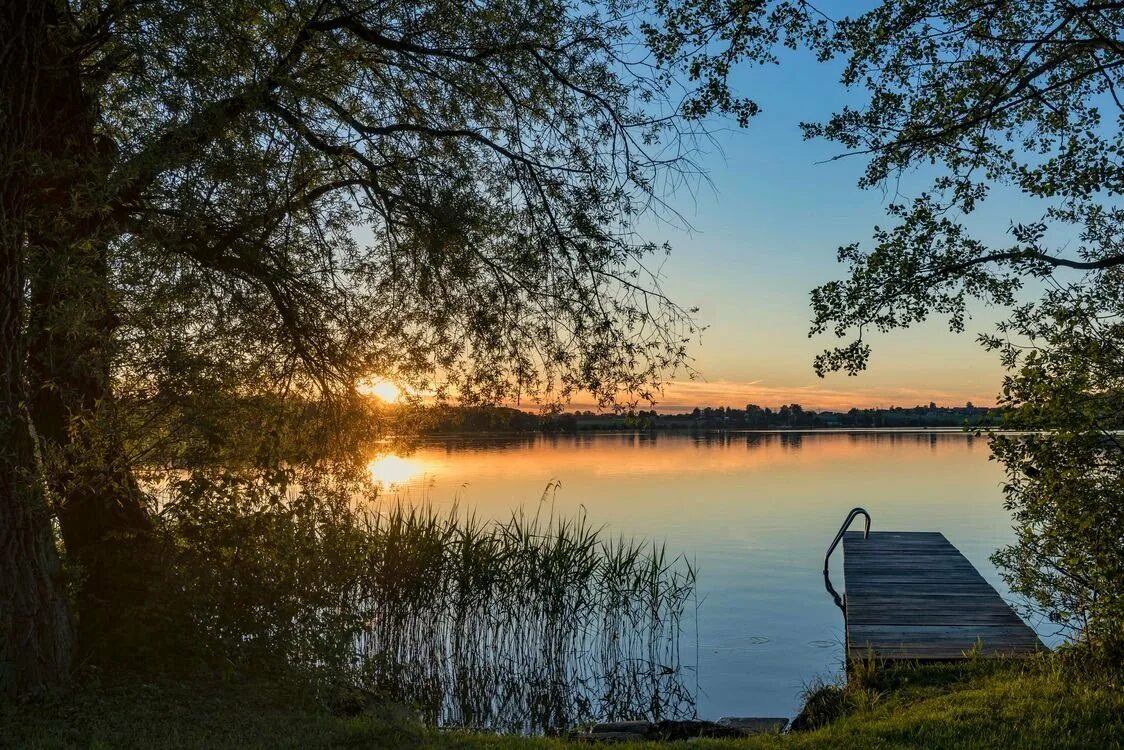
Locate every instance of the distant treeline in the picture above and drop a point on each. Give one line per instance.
(449, 419)
(446, 419)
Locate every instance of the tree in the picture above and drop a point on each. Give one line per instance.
(1023, 94)
(1065, 487)
(241, 198)
(35, 632)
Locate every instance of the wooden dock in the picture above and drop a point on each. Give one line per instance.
(912, 595)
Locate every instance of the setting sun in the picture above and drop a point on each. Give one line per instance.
(384, 390)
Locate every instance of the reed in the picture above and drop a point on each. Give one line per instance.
(526, 624)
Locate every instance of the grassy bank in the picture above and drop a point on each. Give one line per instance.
(1042, 704)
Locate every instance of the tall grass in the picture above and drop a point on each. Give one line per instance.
(525, 624)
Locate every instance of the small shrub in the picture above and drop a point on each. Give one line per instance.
(823, 703)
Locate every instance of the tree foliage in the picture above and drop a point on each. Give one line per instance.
(445, 193)
(1019, 94)
(1065, 486)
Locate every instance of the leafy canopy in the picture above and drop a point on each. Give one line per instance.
(1021, 94)
(302, 193)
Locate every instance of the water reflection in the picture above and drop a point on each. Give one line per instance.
(755, 512)
(394, 471)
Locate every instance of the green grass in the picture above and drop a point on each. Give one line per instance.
(982, 704)
(1038, 704)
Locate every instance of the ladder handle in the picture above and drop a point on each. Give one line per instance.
(842, 529)
(841, 602)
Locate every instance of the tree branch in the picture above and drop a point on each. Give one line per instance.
(1032, 257)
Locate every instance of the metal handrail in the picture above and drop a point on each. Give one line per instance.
(839, 601)
(842, 529)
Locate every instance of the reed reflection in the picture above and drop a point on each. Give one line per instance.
(525, 625)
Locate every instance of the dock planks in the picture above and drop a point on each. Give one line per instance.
(912, 595)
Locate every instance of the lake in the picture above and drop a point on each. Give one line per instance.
(753, 511)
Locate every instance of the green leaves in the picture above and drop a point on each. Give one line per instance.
(1066, 383)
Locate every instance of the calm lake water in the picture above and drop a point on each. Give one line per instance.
(753, 511)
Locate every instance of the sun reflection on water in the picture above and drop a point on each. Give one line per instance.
(394, 470)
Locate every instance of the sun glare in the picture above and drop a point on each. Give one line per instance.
(391, 470)
(383, 390)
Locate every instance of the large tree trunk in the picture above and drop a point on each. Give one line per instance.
(35, 631)
(58, 168)
(106, 529)
(105, 526)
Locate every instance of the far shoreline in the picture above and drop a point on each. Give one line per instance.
(497, 434)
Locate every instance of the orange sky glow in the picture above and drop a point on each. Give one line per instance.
(819, 397)
(679, 396)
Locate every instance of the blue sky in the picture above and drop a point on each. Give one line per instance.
(765, 232)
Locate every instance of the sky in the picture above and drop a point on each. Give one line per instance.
(764, 232)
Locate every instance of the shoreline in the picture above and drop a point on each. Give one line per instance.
(485, 435)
